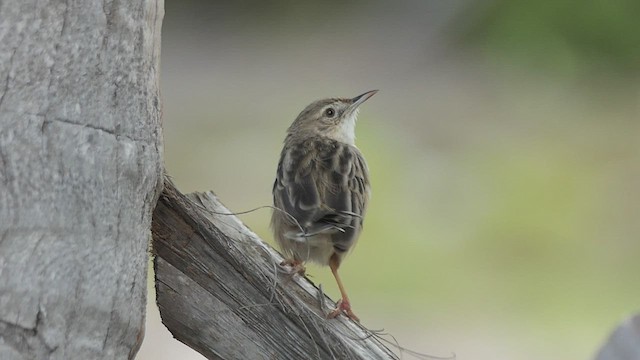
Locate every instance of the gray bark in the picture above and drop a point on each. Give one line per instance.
(623, 343)
(80, 172)
(221, 291)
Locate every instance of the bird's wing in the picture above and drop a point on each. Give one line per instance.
(325, 188)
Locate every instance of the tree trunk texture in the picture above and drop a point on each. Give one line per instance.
(221, 291)
(80, 172)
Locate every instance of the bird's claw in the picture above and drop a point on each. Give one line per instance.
(343, 307)
(296, 266)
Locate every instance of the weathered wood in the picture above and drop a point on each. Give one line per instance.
(80, 172)
(221, 291)
(624, 342)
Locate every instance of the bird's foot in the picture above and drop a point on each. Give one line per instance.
(297, 267)
(343, 307)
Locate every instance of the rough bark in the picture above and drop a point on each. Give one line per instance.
(80, 172)
(221, 291)
(623, 343)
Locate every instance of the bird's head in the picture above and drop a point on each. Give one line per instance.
(332, 118)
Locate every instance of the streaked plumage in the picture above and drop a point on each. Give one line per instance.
(322, 186)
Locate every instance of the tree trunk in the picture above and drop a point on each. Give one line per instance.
(80, 172)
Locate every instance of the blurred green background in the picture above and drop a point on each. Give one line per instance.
(504, 148)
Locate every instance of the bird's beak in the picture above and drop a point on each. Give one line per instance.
(358, 100)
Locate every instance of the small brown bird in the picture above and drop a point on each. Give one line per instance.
(321, 189)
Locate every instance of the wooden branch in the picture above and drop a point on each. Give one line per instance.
(221, 291)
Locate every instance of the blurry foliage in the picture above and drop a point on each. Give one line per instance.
(574, 37)
(252, 15)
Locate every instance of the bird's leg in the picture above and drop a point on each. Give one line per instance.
(297, 266)
(343, 305)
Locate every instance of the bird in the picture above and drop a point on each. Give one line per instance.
(322, 189)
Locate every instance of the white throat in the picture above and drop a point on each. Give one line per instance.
(346, 132)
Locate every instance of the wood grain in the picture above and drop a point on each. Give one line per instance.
(221, 291)
(80, 172)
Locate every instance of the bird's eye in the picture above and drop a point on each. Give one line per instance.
(330, 112)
